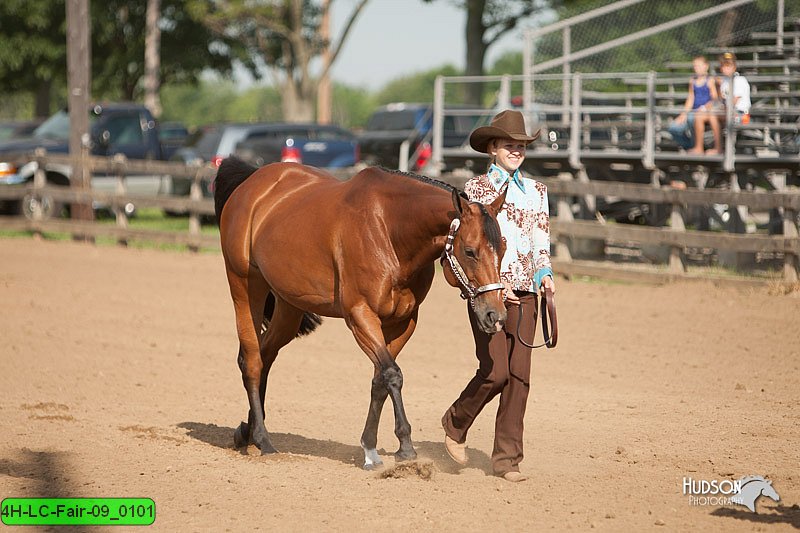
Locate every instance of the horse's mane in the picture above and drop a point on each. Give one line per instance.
(492, 231)
(425, 179)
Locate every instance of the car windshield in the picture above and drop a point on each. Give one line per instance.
(57, 126)
(395, 120)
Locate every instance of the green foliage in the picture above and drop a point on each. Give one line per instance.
(219, 101)
(33, 46)
(417, 87)
(32, 42)
(352, 106)
(188, 47)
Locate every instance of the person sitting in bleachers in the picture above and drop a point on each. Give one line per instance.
(716, 117)
(702, 93)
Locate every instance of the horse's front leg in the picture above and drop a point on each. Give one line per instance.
(382, 346)
(369, 438)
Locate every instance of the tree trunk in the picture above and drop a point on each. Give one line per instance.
(476, 50)
(152, 58)
(298, 105)
(324, 89)
(43, 99)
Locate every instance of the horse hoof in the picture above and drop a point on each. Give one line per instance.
(373, 466)
(402, 455)
(268, 450)
(239, 438)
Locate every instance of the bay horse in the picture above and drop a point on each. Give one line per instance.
(299, 243)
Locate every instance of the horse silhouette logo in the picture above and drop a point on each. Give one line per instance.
(752, 487)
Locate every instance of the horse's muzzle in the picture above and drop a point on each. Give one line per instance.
(492, 321)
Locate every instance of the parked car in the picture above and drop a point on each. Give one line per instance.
(392, 124)
(262, 143)
(17, 129)
(125, 128)
(173, 136)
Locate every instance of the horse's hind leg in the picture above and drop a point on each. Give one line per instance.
(249, 295)
(282, 329)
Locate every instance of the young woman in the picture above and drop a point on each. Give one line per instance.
(504, 363)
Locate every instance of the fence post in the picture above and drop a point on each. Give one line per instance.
(196, 195)
(564, 215)
(790, 260)
(650, 123)
(566, 49)
(403, 164)
(437, 140)
(575, 127)
(120, 164)
(677, 262)
(39, 181)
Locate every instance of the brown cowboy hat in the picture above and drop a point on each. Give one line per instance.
(507, 124)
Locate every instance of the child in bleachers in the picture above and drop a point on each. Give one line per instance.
(716, 117)
(702, 94)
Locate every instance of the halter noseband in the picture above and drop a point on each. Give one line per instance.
(468, 290)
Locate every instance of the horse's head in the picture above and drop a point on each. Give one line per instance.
(474, 250)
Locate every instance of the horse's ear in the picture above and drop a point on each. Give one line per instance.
(457, 201)
(498, 202)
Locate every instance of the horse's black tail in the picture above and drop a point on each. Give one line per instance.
(309, 323)
(232, 173)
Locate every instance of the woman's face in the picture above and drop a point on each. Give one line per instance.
(508, 153)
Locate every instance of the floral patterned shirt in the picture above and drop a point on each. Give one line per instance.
(524, 224)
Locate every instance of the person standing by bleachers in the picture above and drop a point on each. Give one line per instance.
(702, 94)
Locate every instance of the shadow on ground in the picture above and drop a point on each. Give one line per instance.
(222, 437)
(778, 514)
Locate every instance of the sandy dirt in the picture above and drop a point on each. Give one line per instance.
(118, 378)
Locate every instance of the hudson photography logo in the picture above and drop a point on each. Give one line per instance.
(744, 491)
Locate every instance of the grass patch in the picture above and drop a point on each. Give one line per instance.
(152, 219)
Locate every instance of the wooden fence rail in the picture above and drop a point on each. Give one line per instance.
(565, 229)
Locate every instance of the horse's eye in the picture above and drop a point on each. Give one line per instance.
(470, 253)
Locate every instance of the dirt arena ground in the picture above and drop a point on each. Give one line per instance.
(118, 377)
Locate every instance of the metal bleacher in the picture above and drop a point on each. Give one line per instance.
(621, 134)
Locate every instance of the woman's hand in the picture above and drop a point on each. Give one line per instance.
(680, 119)
(548, 283)
(508, 294)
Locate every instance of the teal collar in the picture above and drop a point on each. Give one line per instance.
(499, 176)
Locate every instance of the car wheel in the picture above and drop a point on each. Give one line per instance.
(45, 205)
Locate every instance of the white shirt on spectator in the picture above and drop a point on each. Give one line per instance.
(741, 90)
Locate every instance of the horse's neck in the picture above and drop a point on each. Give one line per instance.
(419, 228)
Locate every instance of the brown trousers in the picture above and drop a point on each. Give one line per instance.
(504, 368)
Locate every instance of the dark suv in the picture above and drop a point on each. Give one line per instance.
(318, 145)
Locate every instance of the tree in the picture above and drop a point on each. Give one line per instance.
(283, 37)
(33, 51)
(487, 21)
(187, 49)
(33, 47)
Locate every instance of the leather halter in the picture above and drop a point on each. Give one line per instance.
(468, 290)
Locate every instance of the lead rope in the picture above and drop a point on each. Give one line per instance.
(549, 341)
